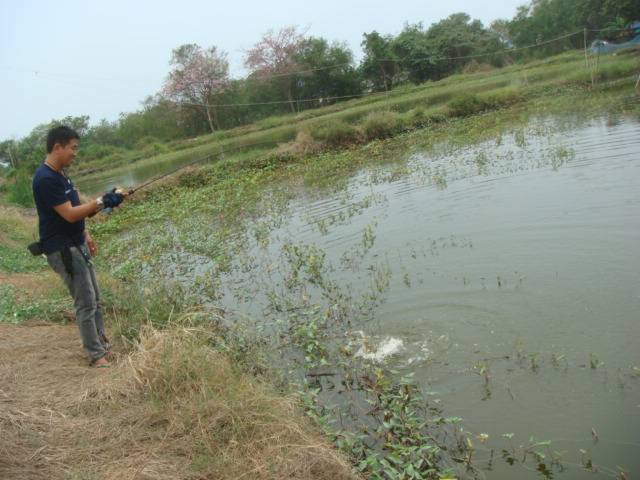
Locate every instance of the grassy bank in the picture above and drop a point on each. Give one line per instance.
(196, 407)
(201, 377)
(378, 116)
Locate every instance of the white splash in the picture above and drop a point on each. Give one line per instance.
(389, 346)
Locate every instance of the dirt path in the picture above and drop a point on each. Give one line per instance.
(43, 376)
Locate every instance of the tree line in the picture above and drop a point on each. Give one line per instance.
(291, 72)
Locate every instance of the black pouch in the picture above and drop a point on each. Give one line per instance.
(36, 248)
(67, 259)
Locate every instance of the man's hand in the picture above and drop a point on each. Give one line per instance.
(93, 246)
(113, 197)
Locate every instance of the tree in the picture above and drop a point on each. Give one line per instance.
(417, 55)
(380, 63)
(329, 71)
(457, 38)
(273, 60)
(31, 150)
(545, 20)
(627, 10)
(198, 80)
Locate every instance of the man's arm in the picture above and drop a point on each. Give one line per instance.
(72, 214)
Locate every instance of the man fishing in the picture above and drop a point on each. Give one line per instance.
(65, 242)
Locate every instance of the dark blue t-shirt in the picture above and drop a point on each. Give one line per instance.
(50, 189)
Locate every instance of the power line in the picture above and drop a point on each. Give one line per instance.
(299, 72)
(281, 102)
(40, 73)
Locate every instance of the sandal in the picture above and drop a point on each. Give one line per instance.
(98, 364)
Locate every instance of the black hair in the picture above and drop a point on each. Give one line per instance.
(62, 135)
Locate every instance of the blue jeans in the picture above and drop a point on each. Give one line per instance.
(83, 286)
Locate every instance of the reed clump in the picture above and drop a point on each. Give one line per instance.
(180, 409)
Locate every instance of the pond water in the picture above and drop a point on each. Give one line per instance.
(530, 265)
(505, 276)
(513, 287)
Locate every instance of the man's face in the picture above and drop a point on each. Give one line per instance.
(67, 153)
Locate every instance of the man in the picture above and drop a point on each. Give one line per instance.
(66, 243)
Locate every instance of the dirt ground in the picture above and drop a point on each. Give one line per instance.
(43, 375)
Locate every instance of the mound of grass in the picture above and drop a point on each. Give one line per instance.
(466, 104)
(339, 134)
(381, 124)
(201, 417)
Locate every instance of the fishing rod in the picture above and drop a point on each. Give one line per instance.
(221, 152)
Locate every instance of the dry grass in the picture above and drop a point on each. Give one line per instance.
(303, 144)
(174, 408)
(202, 418)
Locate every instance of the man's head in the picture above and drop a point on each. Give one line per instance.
(60, 135)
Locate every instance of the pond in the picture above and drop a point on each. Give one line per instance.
(505, 276)
(514, 285)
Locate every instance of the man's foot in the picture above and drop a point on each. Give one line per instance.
(111, 356)
(100, 363)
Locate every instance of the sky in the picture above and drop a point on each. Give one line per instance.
(102, 58)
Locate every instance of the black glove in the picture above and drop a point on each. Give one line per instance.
(113, 198)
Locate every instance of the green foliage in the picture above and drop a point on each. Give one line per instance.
(402, 439)
(458, 38)
(614, 70)
(505, 98)
(338, 134)
(381, 124)
(12, 310)
(19, 190)
(466, 104)
(18, 260)
(332, 74)
(541, 22)
(97, 152)
(419, 54)
(145, 142)
(475, 67)
(380, 64)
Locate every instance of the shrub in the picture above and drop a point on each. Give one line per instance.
(339, 134)
(465, 104)
(475, 67)
(303, 144)
(503, 99)
(416, 118)
(145, 142)
(381, 124)
(96, 152)
(19, 190)
(157, 148)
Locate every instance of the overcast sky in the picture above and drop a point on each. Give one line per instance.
(102, 58)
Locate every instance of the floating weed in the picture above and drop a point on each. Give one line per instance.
(481, 161)
(556, 359)
(520, 138)
(594, 362)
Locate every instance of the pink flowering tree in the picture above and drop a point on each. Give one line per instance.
(273, 59)
(198, 80)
